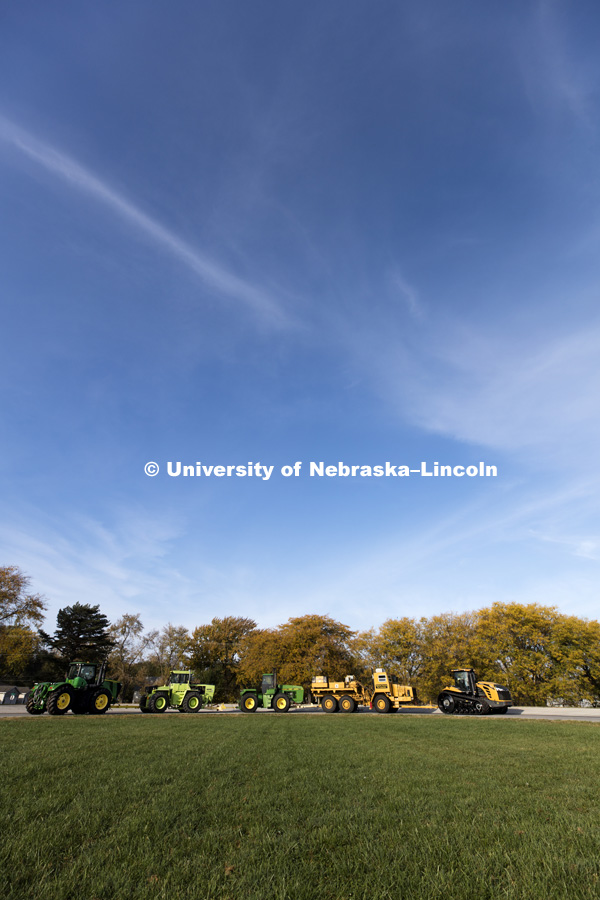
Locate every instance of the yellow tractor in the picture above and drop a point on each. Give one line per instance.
(471, 697)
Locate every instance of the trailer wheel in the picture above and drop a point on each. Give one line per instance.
(100, 702)
(281, 703)
(329, 704)
(192, 702)
(60, 701)
(382, 704)
(248, 703)
(446, 704)
(348, 704)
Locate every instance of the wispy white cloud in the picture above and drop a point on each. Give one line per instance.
(407, 293)
(214, 276)
(506, 391)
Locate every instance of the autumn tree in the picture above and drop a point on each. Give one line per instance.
(20, 611)
(302, 647)
(168, 650)
(215, 651)
(538, 652)
(396, 647)
(129, 646)
(81, 634)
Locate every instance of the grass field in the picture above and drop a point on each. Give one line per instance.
(275, 806)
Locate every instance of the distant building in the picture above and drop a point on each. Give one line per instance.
(13, 693)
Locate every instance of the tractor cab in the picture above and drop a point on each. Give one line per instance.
(82, 675)
(269, 682)
(465, 681)
(180, 677)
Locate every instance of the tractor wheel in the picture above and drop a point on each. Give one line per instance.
(30, 707)
(100, 702)
(248, 703)
(60, 701)
(192, 702)
(502, 710)
(447, 704)
(329, 704)
(482, 707)
(381, 704)
(143, 704)
(280, 703)
(157, 703)
(348, 704)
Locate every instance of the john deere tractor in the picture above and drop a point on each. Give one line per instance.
(469, 696)
(181, 692)
(271, 695)
(84, 690)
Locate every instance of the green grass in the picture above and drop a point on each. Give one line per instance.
(299, 807)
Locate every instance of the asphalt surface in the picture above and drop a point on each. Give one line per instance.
(564, 714)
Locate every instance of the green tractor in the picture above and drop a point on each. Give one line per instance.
(182, 692)
(84, 690)
(271, 695)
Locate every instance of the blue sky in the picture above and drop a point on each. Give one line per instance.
(278, 232)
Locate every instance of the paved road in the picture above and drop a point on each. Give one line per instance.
(566, 714)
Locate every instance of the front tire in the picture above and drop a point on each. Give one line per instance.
(382, 704)
(60, 701)
(191, 703)
(280, 703)
(157, 703)
(31, 709)
(248, 703)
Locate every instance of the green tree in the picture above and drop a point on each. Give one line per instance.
(215, 652)
(19, 611)
(81, 634)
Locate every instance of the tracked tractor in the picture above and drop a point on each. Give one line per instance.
(271, 695)
(471, 697)
(84, 690)
(182, 692)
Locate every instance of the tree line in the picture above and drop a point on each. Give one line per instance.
(536, 651)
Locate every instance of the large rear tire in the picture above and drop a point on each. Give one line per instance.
(249, 703)
(60, 701)
(329, 704)
(381, 704)
(280, 703)
(348, 704)
(192, 702)
(447, 704)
